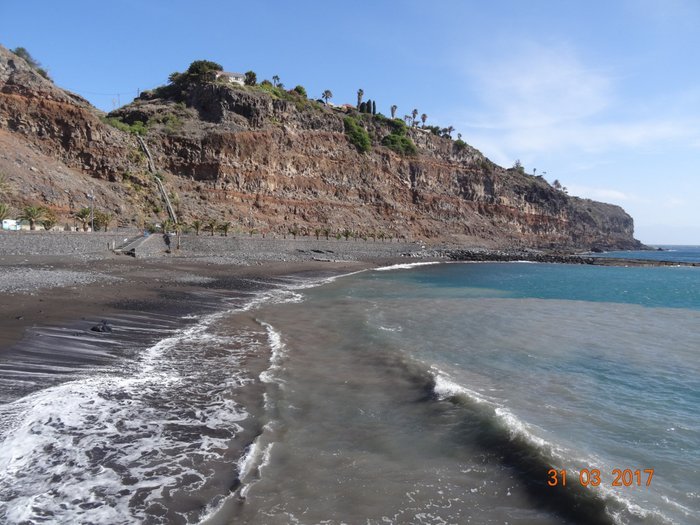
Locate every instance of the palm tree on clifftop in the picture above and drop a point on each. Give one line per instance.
(393, 110)
(360, 93)
(327, 94)
(414, 114)
(423, 118)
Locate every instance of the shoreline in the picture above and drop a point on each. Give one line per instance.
(46, 289)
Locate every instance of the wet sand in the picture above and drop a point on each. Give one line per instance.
(150, 285)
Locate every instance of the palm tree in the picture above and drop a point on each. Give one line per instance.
(210, 226)
(224, 227)
(102, 220)
(393, 110)
(459, 136)
(414, 115)
(276, 80)
(327, 94)
(360, 93)
(449, 131)
(4, 212)
(423, 118)
(49, 221)
(32, 214)
(83, 215)
(197, 226)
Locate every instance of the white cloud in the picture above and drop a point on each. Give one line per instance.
(546, 99)
(602, 194)
(541, 86)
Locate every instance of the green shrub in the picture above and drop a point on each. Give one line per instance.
(301, 90)
(357, 135)
(397, 139)
(137, 128)
(460, 145)
(400, 144)
(398, 126)
(276, 92)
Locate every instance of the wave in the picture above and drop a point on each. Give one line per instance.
(529, 456)
(405, 266)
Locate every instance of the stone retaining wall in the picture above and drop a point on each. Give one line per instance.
(238, 247)
(257, 248)
(61, 243)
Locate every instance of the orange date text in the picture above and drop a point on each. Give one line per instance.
(593, 477)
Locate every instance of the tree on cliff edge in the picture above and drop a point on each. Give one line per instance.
(251, 78)
(326, 95)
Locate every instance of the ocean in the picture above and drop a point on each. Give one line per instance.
(663, 252)
(436, 393)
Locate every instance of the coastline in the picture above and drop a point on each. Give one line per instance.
(57, 288)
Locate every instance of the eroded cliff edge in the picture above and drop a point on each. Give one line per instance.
(244, 156)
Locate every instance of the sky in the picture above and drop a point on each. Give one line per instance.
(602, 95)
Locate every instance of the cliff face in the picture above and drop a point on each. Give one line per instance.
(242, 155)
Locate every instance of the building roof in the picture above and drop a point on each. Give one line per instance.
(229, 74)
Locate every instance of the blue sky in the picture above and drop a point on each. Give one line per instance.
(601, 95)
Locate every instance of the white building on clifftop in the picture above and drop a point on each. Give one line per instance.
(233, 78)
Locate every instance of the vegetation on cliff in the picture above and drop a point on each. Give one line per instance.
(397, 140)
(357, 135)
(33, 63)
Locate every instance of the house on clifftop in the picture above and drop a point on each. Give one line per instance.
(233, 78)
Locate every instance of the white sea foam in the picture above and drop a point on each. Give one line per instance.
(102, 449)
(446, 388)
(405, 266)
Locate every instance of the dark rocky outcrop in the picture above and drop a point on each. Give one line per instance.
(268, 163)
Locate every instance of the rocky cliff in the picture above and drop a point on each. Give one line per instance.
(271, 163)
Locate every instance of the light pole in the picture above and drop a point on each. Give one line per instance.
(92, 211)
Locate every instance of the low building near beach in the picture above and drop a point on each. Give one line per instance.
(11, 225)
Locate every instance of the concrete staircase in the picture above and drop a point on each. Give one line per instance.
(144, 246)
